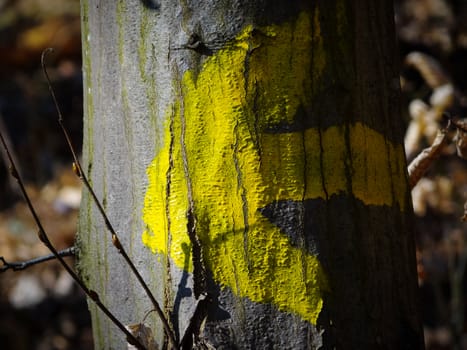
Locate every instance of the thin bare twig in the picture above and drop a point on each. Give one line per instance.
(21, 265)
(6, 136)
(43, 237)
(115, 240)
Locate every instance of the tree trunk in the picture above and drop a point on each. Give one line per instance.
(249, 154)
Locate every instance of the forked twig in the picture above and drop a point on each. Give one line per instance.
(115, 240)
(43, 237)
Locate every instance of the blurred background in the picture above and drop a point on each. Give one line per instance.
(41, 308)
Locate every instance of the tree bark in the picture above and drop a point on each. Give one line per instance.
(249, 154)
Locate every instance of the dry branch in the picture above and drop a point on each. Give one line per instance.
(419, 166)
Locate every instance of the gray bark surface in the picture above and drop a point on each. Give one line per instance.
(134, 55)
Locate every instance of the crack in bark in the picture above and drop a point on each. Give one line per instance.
(167, 213)
(199, 270)
(240, 185)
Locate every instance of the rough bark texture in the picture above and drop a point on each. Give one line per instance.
(253, 149)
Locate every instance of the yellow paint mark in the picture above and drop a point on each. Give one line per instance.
(374, 163)
(236, 167)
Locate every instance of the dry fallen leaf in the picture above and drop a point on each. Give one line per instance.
(429, 69)
(144, 335)
(461, 138)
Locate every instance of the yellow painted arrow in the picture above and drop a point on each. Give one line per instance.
(221, 143)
